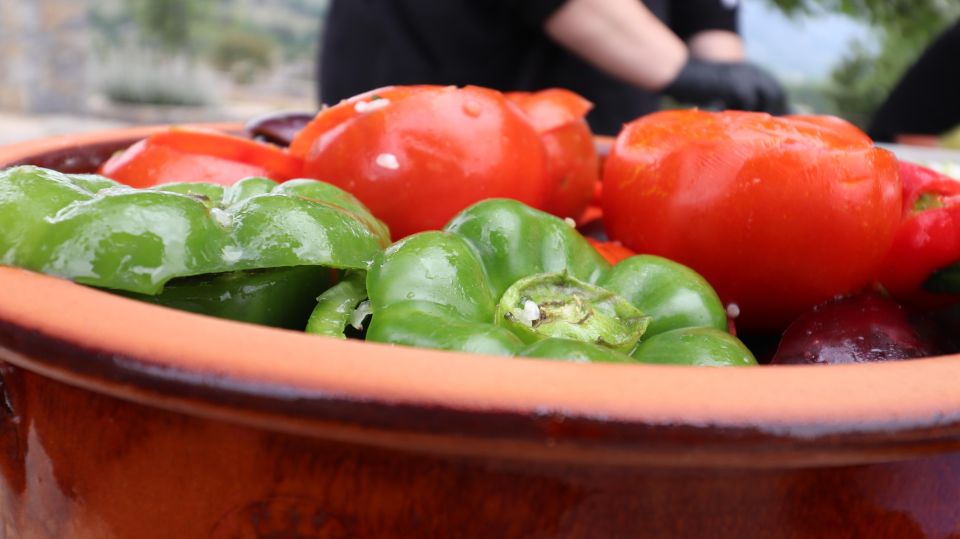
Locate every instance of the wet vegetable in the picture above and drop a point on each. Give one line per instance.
(257, 251)
(779, 214)
(417, 155)
(858, 329)
(199, 155)
(923, 264)
(504, 278)
(572, 166)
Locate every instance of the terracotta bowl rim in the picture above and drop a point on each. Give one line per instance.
(433, 400)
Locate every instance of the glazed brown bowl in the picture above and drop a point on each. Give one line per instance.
(128, 420)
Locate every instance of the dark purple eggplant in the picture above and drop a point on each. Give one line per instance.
(279, 127)
(856, 329)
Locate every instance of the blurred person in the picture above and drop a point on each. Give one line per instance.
(620, 54)
(926, 100)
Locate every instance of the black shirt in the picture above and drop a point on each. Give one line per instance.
(495, 43)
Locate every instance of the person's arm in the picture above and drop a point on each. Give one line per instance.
(621, 37)
(717, 46)
(710, 28)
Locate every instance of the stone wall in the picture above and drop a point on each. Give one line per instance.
(43, 55)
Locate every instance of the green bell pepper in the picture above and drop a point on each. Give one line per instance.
(257, 251)
(505, 279)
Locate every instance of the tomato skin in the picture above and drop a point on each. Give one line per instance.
(194, 155)
(551, 108)
(426, 154)
(572, 167)
(837, 125)
(777, 214)
(332, 117)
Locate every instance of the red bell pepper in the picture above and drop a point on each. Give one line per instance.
(199, 155)
(922, 264)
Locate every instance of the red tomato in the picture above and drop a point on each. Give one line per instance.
(838, 126)
(418, 155)
(552, 108)
(332, 117)
(192, 155)
(777, 214)
(572, 162)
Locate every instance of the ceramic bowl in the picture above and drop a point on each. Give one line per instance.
(120, 419)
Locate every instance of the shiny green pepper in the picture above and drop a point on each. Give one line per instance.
(503, 278)
(257, 251)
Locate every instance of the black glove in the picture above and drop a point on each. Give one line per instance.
(741, 86)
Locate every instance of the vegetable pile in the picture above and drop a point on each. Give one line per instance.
(503, 278)
(445, 218)
(256, 251)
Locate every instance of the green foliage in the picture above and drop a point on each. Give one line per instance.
(866, 75)
(810, 96)
(194, 27)
(135, 76)
(861, 81)
(244, 54)
(176, 51)
(291, 25)
(913, 15)
(864, 78)
(168, 23)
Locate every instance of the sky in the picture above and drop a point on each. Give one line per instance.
(798, 50)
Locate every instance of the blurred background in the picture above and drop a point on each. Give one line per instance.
(80, 65)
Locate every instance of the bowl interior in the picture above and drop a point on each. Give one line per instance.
(430, 400)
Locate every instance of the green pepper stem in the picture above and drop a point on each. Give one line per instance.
(557, 305)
